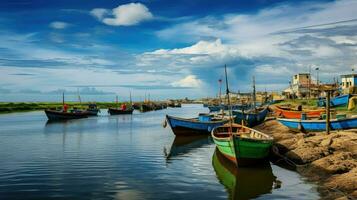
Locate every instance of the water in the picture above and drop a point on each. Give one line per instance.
(127, 157)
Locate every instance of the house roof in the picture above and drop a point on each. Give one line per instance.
(348, 75)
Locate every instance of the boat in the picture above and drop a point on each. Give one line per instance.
(146, 107)
(341, 100)
(244, 182)
(226, 107)
(251, 117)
(241, 144)
(92, 110)
(123, 110)
(319, 125)
(183, 145)
(56, 115)
(294, 114)
(203, 124)
(118, 111)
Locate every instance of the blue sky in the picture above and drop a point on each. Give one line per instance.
(169, 48)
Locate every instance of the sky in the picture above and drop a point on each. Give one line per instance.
(169, 49)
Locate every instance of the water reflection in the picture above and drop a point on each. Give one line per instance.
(184, 144)
(243, 183)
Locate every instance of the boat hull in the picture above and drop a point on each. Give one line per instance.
(182, 126)
(249, 151)
(341, 100)
(114, 111)
(291, 114)
(53, 115)
(319, 125)
(245, 147)
(252, 119)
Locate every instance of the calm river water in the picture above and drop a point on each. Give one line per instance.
(127, 157)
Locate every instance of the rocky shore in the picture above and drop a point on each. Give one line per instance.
(329, 160)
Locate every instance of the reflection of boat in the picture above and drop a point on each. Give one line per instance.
(319, 125)
(243, 183)
(183, 145)
(203, 124)
(294, 114)
(251, 117)
(242, 145)
(54, 115)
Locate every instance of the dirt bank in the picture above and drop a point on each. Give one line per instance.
(330, 160)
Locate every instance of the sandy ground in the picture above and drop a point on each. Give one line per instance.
(329, 160)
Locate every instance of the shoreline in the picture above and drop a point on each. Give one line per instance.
(330, 161)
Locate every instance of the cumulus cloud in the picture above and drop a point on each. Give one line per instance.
(59, 25)
(188, 81)
(123, 15)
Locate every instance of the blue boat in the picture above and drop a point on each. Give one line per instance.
(341, 100)
(193, 126)
(319, 125)
(226, 107)
(251, 117)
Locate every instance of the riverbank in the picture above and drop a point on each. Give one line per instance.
(329, 160)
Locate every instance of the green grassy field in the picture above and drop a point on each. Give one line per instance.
(22, 106)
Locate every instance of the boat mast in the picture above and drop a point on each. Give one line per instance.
(220, 91)
(229, 102)
(254, 95)
(230, 132)
(63, 100)
(116, 101)
(79, 97)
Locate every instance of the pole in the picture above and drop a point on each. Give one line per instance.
(328, 112)
(220, 91)
(309, 81)
(63, 100)
(230, 116)
(254, 97)
(116, 101)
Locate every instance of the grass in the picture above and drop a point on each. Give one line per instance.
(22, 106)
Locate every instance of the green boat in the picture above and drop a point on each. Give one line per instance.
(242, 144)
(243, 183)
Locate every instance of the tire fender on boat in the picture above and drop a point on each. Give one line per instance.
(164, 123)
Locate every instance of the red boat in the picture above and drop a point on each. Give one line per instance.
(294, 114)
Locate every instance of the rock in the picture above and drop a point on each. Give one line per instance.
(346, 182)
(326, 142)
(337, 163)
(307, 154)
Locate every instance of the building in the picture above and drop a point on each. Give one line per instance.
(300, 86)
(348, 83)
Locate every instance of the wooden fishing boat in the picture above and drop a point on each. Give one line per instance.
(146, 108)
(319, 125)
(251, 117)
(118, 111)
(341, 100)
(92, 110)
(203, 124)
(56, 115)
(294, 114)
(243, 182)
(241, 144)
(226, 107)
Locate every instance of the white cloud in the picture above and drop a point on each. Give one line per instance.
(59, 25)
(188, 81)
(123, 15)
(99, 13)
